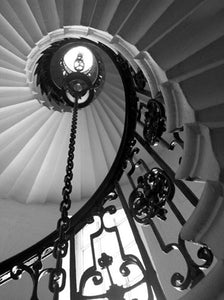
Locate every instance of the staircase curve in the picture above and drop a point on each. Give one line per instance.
(178, 47)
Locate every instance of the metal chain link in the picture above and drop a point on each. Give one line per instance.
(61, 244)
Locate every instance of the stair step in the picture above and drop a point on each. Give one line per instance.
(10, 115)
(124, 9)
(206, 89)
(164, 24)
(37, 13)
(50, 14)
(13, 37)
(16, 138)
(29, 161)
(14, 13)
(12, 59)
(105, 137)
(99, 159)
(72, 12)
(198, 30)
(146, 12)
(87, 12)
(199, 161)
(106, 10)
(207, 58)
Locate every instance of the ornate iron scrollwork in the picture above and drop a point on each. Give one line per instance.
(154, 124)
(140, 80)
(195, 271)
(131, 151)
(34, 269)
(177, 140)
(122, 62)
(105, 261)
(154, 189)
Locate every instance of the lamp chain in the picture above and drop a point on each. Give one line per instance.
(58, 275)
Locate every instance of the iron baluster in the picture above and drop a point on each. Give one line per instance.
(177, 140)
(150, 275)
(153, 191)
(180, 184)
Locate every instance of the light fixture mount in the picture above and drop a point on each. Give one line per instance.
(70, 68)
(78, 86)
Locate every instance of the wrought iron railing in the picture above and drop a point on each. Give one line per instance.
(151, 195)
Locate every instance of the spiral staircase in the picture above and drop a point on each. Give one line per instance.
(178, 46)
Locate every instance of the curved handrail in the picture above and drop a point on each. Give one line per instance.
(113, 175)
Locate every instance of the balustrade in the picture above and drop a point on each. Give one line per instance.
(150, 199)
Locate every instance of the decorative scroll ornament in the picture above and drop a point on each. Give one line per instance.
(34, 269)
(154, 124)
(129, 158)
(122, 62)
(97, 277)
(177, 140)
(154, 189)
(140, 80)
(194, 270)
